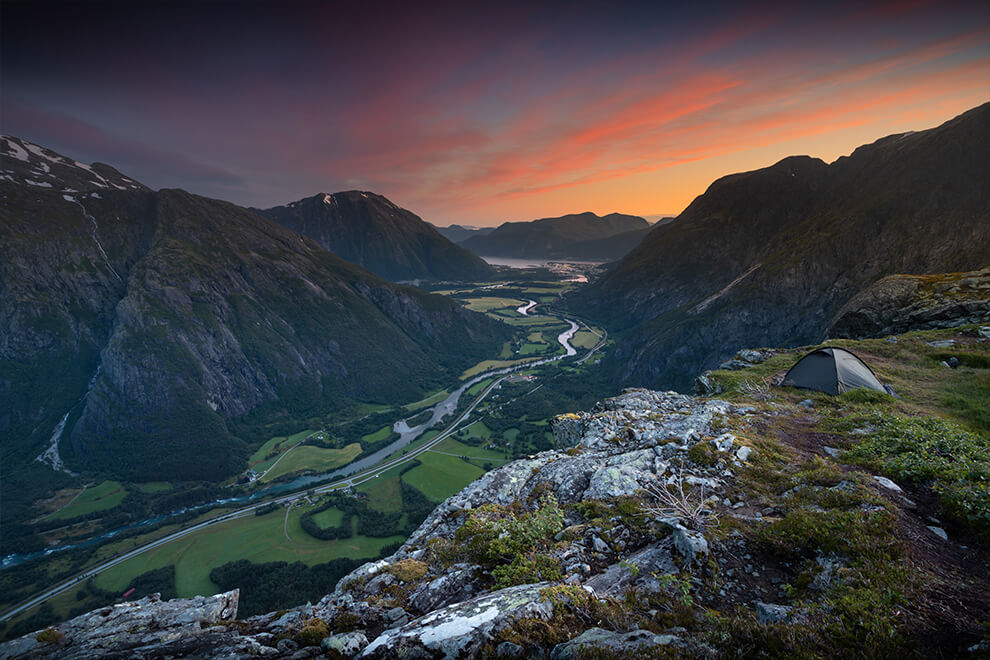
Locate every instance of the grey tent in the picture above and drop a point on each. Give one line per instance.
(833, 371)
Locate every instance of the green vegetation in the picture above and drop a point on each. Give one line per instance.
(314, 459)
(439, 476)
(487, 304)
(106, 495)
(932, 452)
(486, 365)
(269, 452)
(431, 400)
(154, 487)
(379, 435)
(475, 389)
(511, 543)
(257, 539)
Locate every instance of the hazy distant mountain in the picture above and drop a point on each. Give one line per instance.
(157, 325)
(460, 233)
(371, 231)
(767, 258)
(567, 236)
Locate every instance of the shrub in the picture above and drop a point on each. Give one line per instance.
(513, 545)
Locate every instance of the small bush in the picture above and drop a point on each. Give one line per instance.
(50, 636)
(408, 570)
(512, 544)
(312, 633)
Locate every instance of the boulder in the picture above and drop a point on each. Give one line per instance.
(149, 627)
(344, 645)
(460, 630)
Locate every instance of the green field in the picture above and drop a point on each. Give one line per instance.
(329, 518)
(476, 430)
(380, 434)
(487, 304)
(255, 538)
(534, 320)
(261, 461)
(384, 493)
(154, 487)
(307, 457)
(432, 399)
(104, 496)
(485, 365)
(440, 476)
(585, 339)
(477, 387)
(534, 349)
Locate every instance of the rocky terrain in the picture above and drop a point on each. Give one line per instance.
(769, 257)
(370, 230)
(901, 303)
(766, 523)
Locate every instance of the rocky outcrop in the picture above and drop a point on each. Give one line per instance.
(903, 303)
(146, 628)
(435, 598)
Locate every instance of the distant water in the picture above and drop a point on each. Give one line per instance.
(512, 262)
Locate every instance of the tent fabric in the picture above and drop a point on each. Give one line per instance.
(833, 371)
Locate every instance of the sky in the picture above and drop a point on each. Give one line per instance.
(479, 112)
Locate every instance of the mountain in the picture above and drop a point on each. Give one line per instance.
(569, 236)
(150, 328)
(460, 233)
(371, 231)
(769, 257)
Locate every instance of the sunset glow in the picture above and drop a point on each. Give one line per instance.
(481, 117)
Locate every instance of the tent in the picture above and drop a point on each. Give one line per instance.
(833, 371)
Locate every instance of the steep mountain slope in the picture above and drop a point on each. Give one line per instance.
(147, 322)
(567, 236)
(371, 231)
(768, 257)
(460, 233)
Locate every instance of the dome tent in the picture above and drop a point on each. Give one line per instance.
(833, 371)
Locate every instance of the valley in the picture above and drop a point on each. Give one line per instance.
(486, 420)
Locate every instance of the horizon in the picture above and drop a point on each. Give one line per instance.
(511, 114)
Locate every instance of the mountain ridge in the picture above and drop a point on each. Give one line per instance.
(558, 237)
(370, 230)
(767, 257)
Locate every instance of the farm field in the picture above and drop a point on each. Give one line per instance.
(269, 452)
(485, 365)
(101, 497)
(255, 538)
(307, 457)
(486, 304)
(432, 399)
(585, 339)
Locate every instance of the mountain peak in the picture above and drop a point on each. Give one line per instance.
(369, 229)
(29, 164)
